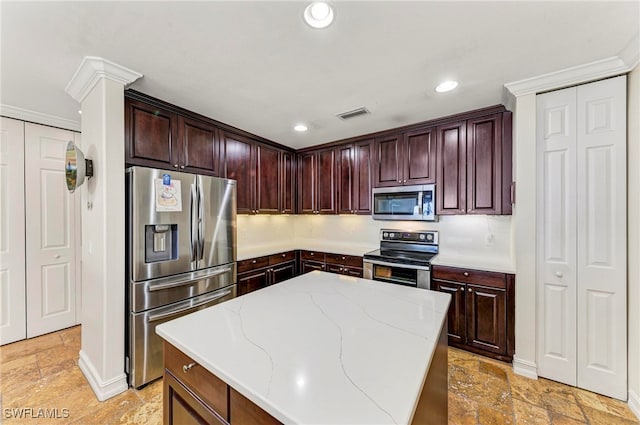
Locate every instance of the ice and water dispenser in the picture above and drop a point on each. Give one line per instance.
(161, 242)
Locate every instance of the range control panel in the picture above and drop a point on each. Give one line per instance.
(418, 236)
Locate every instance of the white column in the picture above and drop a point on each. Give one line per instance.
(633, 188)
(99, 86)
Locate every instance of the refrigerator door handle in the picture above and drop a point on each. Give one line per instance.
(200, 223)
(188, 306)
(194, 218)
(158, 286)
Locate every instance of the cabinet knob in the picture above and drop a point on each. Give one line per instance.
(470, 290)
(466, 274)
(323, 266)
(253, 262)
(175, 165)
(282, 211)
(187, 367)
(399, 181)
(343, 257)
(462, 289)
(311, 253)
(284, 255)
(405, 180)
(182, 167)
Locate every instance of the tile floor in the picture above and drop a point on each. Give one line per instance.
(43, 373)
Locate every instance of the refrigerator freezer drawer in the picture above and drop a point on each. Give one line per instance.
(158, 292)
(145, 346)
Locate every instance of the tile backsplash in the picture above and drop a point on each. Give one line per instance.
(459, 235)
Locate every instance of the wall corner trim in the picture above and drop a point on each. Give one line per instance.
(102, 389)
(603, 68)
(525, 368)
(91, 69)
(634, 403)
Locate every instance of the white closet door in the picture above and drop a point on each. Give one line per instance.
(602, 237)
(556, 244)
(50, 232)
(12, 249)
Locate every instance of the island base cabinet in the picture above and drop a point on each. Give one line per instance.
(244, 412)
(182, 407)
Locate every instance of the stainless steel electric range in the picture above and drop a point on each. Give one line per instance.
(404, 258)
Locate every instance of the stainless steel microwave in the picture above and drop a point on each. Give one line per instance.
(405, 203)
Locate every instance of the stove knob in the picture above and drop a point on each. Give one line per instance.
(392, 235)
(385, 235)
(430, 237)
(422, 236)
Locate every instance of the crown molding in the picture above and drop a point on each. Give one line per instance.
(38, 117)
(631, 53)
(91, 69)
(570, 76)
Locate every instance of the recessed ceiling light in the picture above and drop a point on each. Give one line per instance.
(446, 86)
(300, 128)
(318, 14)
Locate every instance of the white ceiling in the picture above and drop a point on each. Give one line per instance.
(259, 67)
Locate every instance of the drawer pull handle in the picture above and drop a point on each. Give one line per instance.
(187, 367)
(466, 274)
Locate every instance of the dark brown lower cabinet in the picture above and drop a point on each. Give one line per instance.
(307, 266)
(481, 313)
(193, 395)
(257, 273)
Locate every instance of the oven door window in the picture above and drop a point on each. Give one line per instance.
(397, 275)
(405, 203)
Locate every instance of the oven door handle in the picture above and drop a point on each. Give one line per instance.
(397, 265)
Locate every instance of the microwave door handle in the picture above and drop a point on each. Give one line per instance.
(420, 203)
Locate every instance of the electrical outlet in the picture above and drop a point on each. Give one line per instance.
(489, 239)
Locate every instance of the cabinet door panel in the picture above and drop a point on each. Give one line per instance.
(288, 184)
(151, 135)
(181, 407)
(199, 146)
(252, 281)
(309, 266)
(282, 272)
(420, 157)
(362, 173)
(451, 173)
(456, 314)
(268, 180)
(486, 312)
(388, 161)
(484, 165)
(327, 182)
(307, 184)
(345, 179)
(238, 160)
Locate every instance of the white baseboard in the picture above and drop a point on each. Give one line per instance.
(525, 368)
(103, 389)
(634, 403)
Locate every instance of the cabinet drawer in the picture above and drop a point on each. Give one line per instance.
(252, 263)
(312, 255)
(210, 388)
(245, 412)
(347, 260)
(282, 257)
(493, 279)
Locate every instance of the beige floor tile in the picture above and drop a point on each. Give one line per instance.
(604, 404)
(487, 415)
(558, 419)
(598, 417)
(30, 346)
(462, 411)
(151, 391)
(149, 413)
(528, 414)
(481, 387)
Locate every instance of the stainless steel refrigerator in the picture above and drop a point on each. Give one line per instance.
(181, 253)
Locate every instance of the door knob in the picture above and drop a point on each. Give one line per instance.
(57, 256)
(559, 274)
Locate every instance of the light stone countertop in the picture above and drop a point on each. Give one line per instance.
(320, 348)
(489, 264)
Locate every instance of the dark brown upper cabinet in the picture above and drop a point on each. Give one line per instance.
(157, 137)
(354, 172)
(264, 175)
(317, 182)
(406, 158)
(151, 135)
(474, 166)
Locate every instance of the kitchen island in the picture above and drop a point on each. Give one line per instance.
(319, 348)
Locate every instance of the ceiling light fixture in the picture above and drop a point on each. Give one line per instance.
(318, 14)
(446, 86)
(300, 127)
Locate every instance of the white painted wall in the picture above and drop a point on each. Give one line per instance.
(633, 161)
(524, 229)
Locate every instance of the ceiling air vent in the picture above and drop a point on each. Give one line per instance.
(353, 113)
